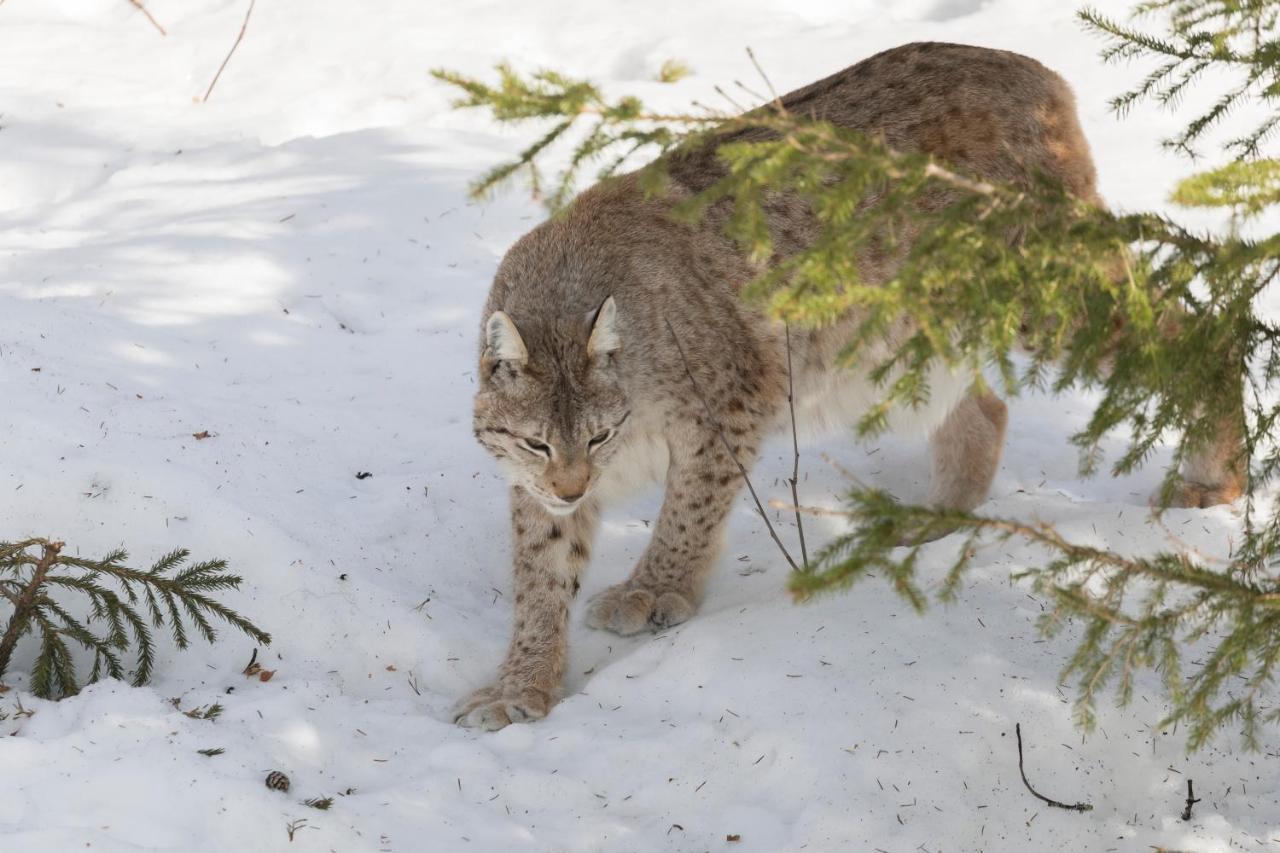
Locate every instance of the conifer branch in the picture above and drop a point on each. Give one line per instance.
(127, 602)
(1233, 614)
(1203, 34)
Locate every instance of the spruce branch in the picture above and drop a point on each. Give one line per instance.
(547, 95)
(127, 603)
(1240, 35)
(1136, 612)
(1249, 187)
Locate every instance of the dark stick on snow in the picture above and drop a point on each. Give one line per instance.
(1191, 801)
(1077, 807)
(243, 27)
(688, 369)
(795, 449)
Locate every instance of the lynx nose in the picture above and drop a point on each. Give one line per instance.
(570, 497)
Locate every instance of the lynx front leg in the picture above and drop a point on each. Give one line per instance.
(550, 553)
(666, 585)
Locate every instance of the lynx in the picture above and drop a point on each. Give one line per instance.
(600, 320)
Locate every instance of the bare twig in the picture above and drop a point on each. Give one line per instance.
(737, 106)
(1077, 807)
(1191, 801)
(25, 604)
(777, 100)
(243, 27)
(843, 471)
(795, 449)
(945, 175)
(744, 87)
(137, 4)
(821, 511)
(715, 422)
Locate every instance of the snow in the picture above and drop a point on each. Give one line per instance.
(293, 267)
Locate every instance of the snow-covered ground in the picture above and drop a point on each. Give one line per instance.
(294, 267)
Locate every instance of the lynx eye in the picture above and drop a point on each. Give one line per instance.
(600, 438)
(535, 447)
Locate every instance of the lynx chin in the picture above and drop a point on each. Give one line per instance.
(583, 389)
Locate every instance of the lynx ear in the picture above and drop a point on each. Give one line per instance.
(604, 333)
(502, 338)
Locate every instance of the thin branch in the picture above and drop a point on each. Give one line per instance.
(1191, 801)
(795, 450)
(737, 106)
(821, 511)
(1077, 807)
(143, 9)
(243, 27)
(944, 174)
(744, 87)
(777, 100)
(843, 471)
(725, 441)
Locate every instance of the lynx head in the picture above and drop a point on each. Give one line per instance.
(551, 402)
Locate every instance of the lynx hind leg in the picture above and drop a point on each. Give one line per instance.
(966, 453)
(702, 484)
(1216, 474)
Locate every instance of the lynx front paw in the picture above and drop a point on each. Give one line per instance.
(1191, 495)
(495, 707)
(628, 610)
